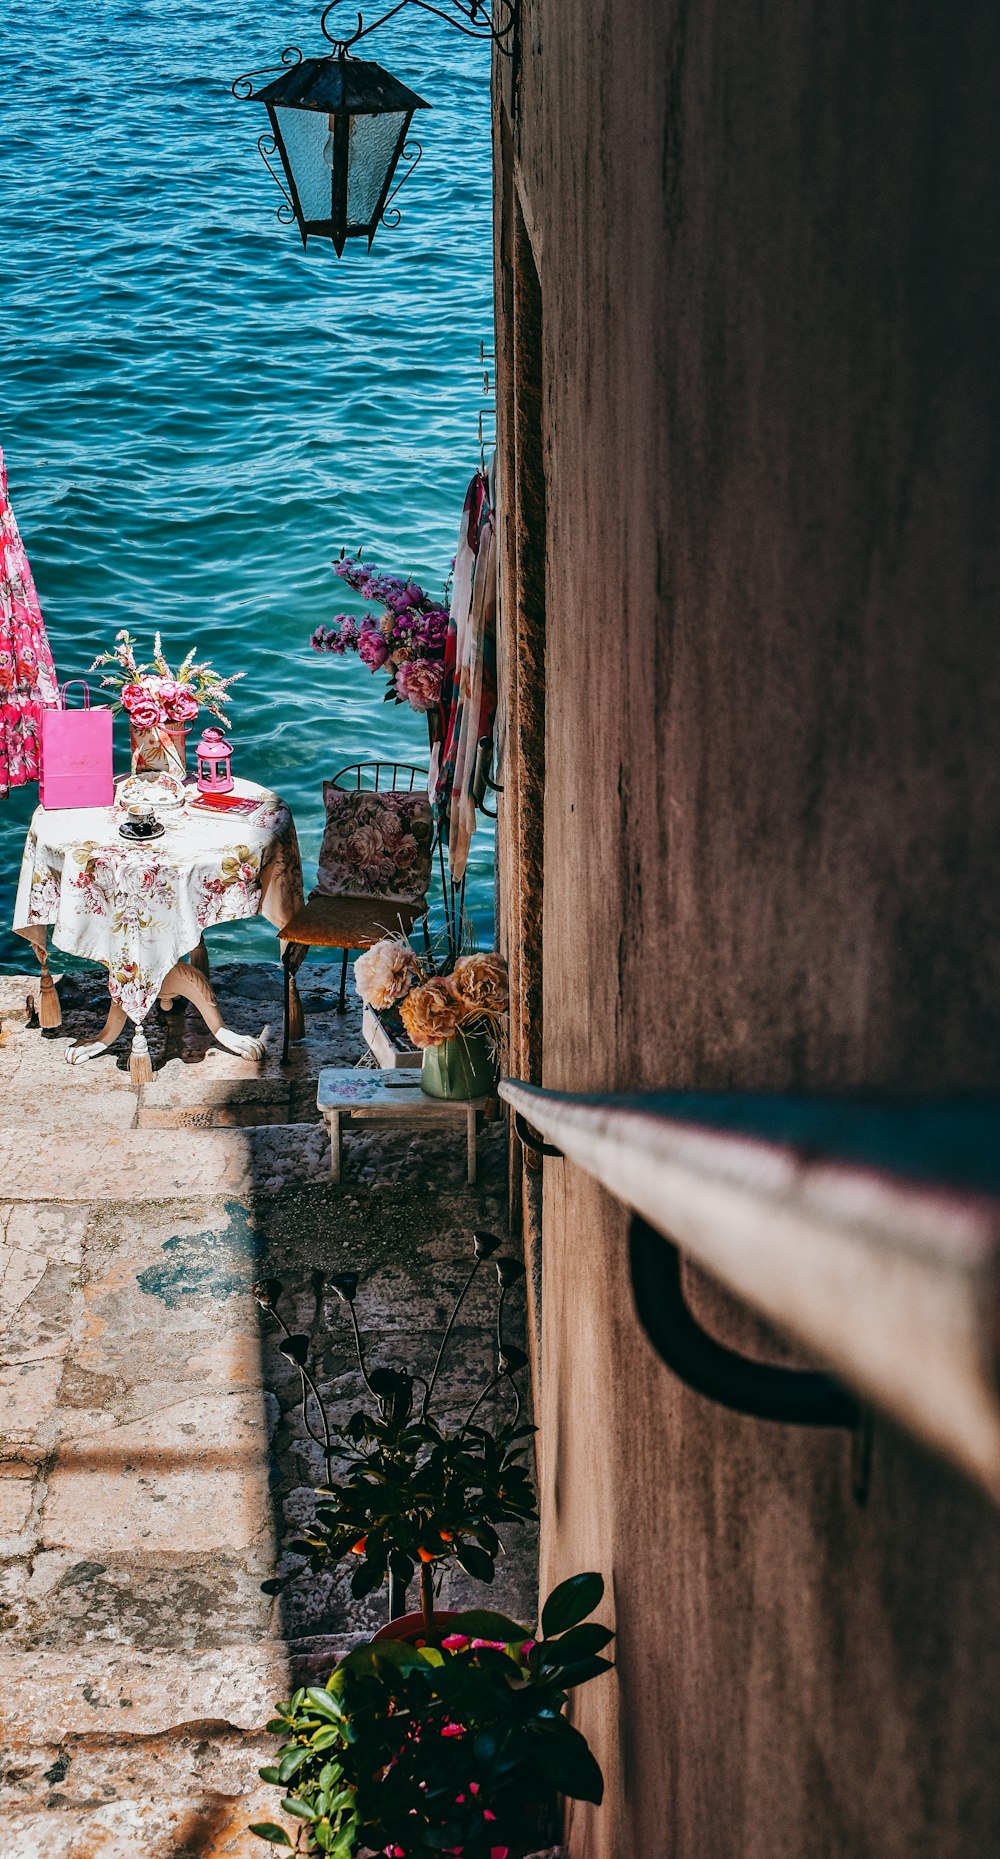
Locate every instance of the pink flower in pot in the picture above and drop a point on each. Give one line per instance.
(145, 714)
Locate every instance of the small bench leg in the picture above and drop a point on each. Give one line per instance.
(470, 1138)
(336, 1145)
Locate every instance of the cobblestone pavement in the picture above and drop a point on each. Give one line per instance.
(152, 1458)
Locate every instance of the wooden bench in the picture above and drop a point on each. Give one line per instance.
(390, 1097)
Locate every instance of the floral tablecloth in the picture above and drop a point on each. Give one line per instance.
(138, 908)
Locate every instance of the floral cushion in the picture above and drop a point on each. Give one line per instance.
(375, 845)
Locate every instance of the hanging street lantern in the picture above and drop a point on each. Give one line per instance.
(339, 126)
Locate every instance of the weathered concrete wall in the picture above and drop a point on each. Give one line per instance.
(768, 247)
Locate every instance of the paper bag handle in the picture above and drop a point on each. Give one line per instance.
(65, 688)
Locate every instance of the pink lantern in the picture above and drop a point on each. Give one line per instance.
(215, 763)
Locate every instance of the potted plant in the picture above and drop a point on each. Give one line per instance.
(459, 1749)
(410, 1493)
(453, 1009)
(160, 703)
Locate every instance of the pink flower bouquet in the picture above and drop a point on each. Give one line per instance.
(159, 703)
(406, 640)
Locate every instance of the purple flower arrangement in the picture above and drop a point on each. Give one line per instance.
(406, 640)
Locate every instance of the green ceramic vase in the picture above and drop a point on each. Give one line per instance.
(460, 1067)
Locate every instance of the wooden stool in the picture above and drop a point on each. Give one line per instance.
(390, 1097)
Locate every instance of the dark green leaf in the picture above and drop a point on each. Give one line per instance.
(296, 1348)
(272, 1586)
(482, 1624)
(579, 1643)
(569, 1765)
(571, 1602)
(322, 1702)
(292, 1760)
(266, 1830)
(475, 1561)
(366, 1579)
(300, 1809)
(567, 1676)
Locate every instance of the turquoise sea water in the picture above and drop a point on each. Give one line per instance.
(196, 414)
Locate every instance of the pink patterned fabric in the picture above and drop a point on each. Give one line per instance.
(375, 844)
(27, 674)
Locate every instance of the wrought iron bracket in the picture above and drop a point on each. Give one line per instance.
(760, 1390)
(482, 20)
(531, 1142)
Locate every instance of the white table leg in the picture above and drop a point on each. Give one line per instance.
(336, 1144)
(113, 1026)
(192, 985)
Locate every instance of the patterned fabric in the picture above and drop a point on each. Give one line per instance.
(137, 908)
(469, 694)
(27, 674)
(375, 845)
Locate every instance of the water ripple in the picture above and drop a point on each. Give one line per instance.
(196, 414)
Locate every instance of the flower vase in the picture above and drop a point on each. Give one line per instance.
(459, 1067)
(164, 747)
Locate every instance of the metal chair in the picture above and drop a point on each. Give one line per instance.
(342, 921)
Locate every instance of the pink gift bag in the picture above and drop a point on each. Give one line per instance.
(76, 765)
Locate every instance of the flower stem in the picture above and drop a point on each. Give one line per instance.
(427, 1594)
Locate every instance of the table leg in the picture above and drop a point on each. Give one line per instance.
(470, 1141)
(188, 981)
(198, 959)
(336, 1145)
(113, 1026)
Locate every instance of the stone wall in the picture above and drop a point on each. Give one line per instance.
(767, 245)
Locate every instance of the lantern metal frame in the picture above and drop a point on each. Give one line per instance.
(475, 21)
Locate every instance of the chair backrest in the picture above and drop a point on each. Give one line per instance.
(378, 776)
(379, 836)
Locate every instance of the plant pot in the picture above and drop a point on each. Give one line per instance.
(156, 749)
(459, 1067)
(410, 1627)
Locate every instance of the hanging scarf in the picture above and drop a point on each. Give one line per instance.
(469, 694)
(27, 674)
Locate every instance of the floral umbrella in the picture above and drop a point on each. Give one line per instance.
(27, 674)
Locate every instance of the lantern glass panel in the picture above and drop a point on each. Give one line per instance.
(305, 134)
(371, 148)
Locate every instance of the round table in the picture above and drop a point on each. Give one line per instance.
(139, 907)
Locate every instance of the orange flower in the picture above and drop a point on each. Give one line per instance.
(481, 981)
(358, 1548)
(431, 1013)
(447, 1537)
(426, 1555)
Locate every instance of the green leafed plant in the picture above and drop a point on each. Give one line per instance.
(458, 1749)
(404, 1492)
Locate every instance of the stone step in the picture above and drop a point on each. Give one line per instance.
(136, 1165)
(197, 1085)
